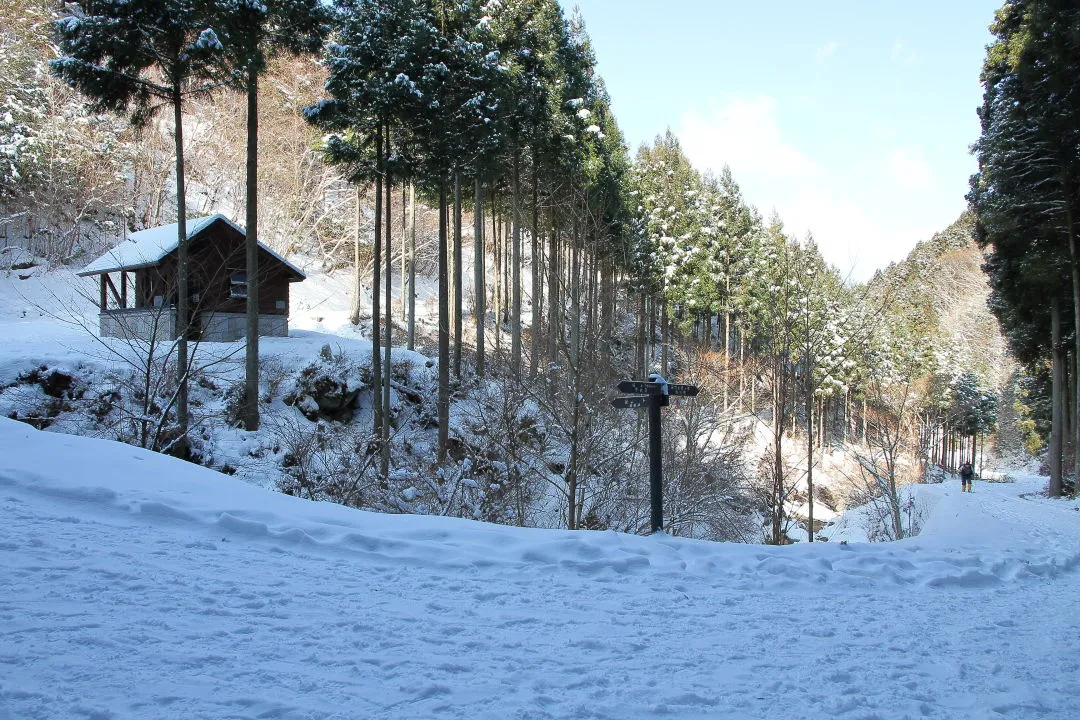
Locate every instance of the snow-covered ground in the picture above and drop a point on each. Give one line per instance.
(134, 585)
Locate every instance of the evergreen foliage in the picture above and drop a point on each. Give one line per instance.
(137, 56)
(1027, 190)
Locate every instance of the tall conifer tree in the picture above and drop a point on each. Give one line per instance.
(137, 56)
(252, 31)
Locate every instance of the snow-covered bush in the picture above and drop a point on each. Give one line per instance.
(501, 442)
(40, 395)
(326, 460)
(327, 389)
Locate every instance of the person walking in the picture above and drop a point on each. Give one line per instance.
(967, 478)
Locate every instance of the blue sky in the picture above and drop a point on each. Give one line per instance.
(852, 120)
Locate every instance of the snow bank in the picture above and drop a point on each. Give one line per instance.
(956, 547)
(136, 585)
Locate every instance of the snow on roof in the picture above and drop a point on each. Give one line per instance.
(149, 247)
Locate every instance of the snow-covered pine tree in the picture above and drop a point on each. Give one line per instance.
(676, 261)
(379, 64)
(1026, 194)
(136, 56)
(252, 31)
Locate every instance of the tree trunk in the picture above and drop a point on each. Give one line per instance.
(779, 402)
(412, 266)
(1066, 409)
(496, 249)
(727, 318)
(444, 330)
(515, 271)
(933, 443)
(607, 308)
(507, 247)
(649, 336)
(753, 383)
(809, 451)
(1076, 353)
(376, 286)
(945, 446)
(480, 309)
(575, 306)
(251, 248)
(742, 374)
(664, 337)
(592, 301)
(1074, 255)
(384, 445)
(554, 331)
(458, 280)
(865, 418)
(846, 409)
(639, 360)
(358, 286)
(450, 283)
(822, 422)
(573, 509)
(182, 320)
(537, 305)
(1057, 409)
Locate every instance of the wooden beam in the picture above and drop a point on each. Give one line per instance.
(123, 289)
(112, 288)
(104, 303)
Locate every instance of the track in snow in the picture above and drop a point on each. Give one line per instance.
(135, 586)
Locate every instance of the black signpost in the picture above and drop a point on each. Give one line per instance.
(653, 394)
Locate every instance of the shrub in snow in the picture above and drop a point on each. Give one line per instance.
(272, 376)
(16, 258)
(234, 404)
(328, 388)
(40, 395)
(327, 461)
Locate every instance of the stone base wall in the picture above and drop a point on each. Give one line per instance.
(139, 323)
(160, 324)
(228, 327)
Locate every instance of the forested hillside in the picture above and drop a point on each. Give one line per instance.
(473, 148)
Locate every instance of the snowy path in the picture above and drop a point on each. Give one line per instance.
(133, 586)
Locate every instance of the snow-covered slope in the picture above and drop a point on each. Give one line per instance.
(138, 586)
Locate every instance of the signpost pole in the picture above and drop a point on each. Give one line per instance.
(656, 488)
(653, 395)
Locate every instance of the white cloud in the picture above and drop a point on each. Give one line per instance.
(826, 51)
(858, 229)
(744, 134)
(909, 169)
(848, 235)
(902, 54)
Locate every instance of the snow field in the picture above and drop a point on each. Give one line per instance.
(135, 586)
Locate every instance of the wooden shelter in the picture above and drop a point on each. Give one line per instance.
(139, 284)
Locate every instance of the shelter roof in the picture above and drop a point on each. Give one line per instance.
(149, 247)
